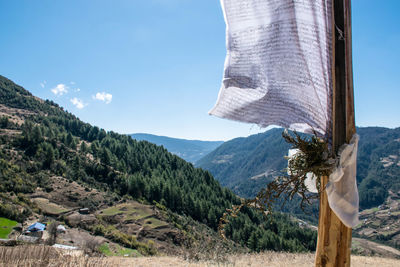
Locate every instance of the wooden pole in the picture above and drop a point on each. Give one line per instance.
(334, 238)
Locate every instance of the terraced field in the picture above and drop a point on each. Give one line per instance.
(131, 212)
(49, 207)
(382, 223)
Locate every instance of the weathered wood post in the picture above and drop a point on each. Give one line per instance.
(334, 238)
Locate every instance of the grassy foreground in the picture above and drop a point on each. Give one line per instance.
(48, 256)
(6, 227)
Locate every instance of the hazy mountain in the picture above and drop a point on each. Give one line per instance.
(245, 165)
(189, 150)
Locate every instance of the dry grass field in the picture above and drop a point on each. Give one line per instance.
(38, 256)
(267, 259)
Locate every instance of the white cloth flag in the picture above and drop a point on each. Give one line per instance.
(342, 187)
(278, 64)
(278, 72)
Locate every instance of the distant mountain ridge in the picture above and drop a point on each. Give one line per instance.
(189, 150)
(245, 165)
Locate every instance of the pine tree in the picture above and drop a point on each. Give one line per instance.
(252, 242)
(49, 156)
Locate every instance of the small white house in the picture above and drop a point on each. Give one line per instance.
(61, 229)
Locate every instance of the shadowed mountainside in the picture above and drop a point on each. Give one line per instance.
(246, 165)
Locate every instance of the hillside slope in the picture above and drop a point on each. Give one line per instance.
(189, 150)
(246, 164)
(378, 166)
(382, 223)
(45, 150)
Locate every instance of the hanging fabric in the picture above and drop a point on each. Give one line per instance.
(278, 72)
(278, 64)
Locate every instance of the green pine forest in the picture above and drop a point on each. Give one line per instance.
(52, 142)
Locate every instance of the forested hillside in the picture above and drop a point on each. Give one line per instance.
(40, 141)
(378, 166)
(247, 164)
(189, 150)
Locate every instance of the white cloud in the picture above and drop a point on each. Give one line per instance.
(103, 96)
(60, 89)
(78, 103)
(77, 89)
(43, 84)
(72, 83)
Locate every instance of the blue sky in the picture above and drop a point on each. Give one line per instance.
(155, 66)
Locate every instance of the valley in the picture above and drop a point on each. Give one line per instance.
(111, 194)
(115, 196)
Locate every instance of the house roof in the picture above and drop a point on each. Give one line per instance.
(61, 228)
(37, 227)
(64, 246)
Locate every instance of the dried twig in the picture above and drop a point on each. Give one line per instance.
(313, 157)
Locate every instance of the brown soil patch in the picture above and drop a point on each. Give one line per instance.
(78, 238)
(9, 132)
(369, 248)
(48, 207)
(145, 223)
(70, 194)
(15, 115)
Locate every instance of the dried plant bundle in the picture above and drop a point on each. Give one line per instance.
(312, 159)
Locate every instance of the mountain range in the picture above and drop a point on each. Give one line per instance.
(135, 195)
(141, 198)
(189, 150)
